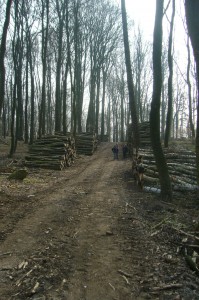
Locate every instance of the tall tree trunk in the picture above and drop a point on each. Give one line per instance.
(109, 119)
(65, 99)
(16, 62)
(19, 113)
(42, 113)
(90, 123)
(132, 100)
(191, 124)
(191, 11)
(12, 127)
(58, 78)
(32, 97)
(50, 124)
(166, 191)
(32, 83)
(170, 81)
(122, 97)
(163, 108)
(58, 100)
(26, 134)
(103, 103)
(79, 66)
(98, 101)
(2, 54)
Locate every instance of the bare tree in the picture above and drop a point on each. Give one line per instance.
(30, 66)
(142, 73)
(103, 38)
(2, 53)
(166, 191)
(45, 33)
(190, 91)
(18, 51)
(61, 12)
(191, 11)
(132, 99)
(170, 81)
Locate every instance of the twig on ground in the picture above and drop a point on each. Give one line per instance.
(127, 204)
(111, 286)
(5, 253)
(124, 273)
(156, 232)
(75, 234)
(160, 223)
(191, 246)
(125, 279)
(186, 233)
(166, 287)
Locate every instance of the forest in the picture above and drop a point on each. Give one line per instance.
(84, 66)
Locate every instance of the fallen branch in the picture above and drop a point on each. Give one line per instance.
(160, 223)
(112, 286)
(186, 233)
(152, 189)
(191, 246)
(6, 269)
(124, 273)
(5, 253)
(19, 281)
(125, 279)
(156, 232)
(166, 287)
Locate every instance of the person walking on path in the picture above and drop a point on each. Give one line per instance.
(115, 151)
(124, 150)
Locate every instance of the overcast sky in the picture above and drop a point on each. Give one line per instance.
(143, 13)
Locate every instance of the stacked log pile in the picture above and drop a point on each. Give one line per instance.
(52, 152)
(145, 141)
(86, 143)
(182, 169)
(104, 138)
(144, 129)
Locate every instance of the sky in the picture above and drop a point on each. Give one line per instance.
(143, 13)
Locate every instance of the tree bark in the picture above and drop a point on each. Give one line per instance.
(191, 11)
(170, 81)
(45, 28)
(166, 191)
(2, 54)
(191, 124)
(61, 11)
(32, 83)
(132, 100)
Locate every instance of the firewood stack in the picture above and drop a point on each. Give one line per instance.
(145, 141)
(144, 129)
(86, 143)
(181, 165)
(52, 152)
(104, 138)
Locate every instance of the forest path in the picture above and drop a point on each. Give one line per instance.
(84, 239)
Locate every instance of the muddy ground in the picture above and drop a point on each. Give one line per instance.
(89, 233)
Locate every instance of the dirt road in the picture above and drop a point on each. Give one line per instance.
(86, 234)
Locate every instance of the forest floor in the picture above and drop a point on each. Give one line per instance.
(89, 233)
